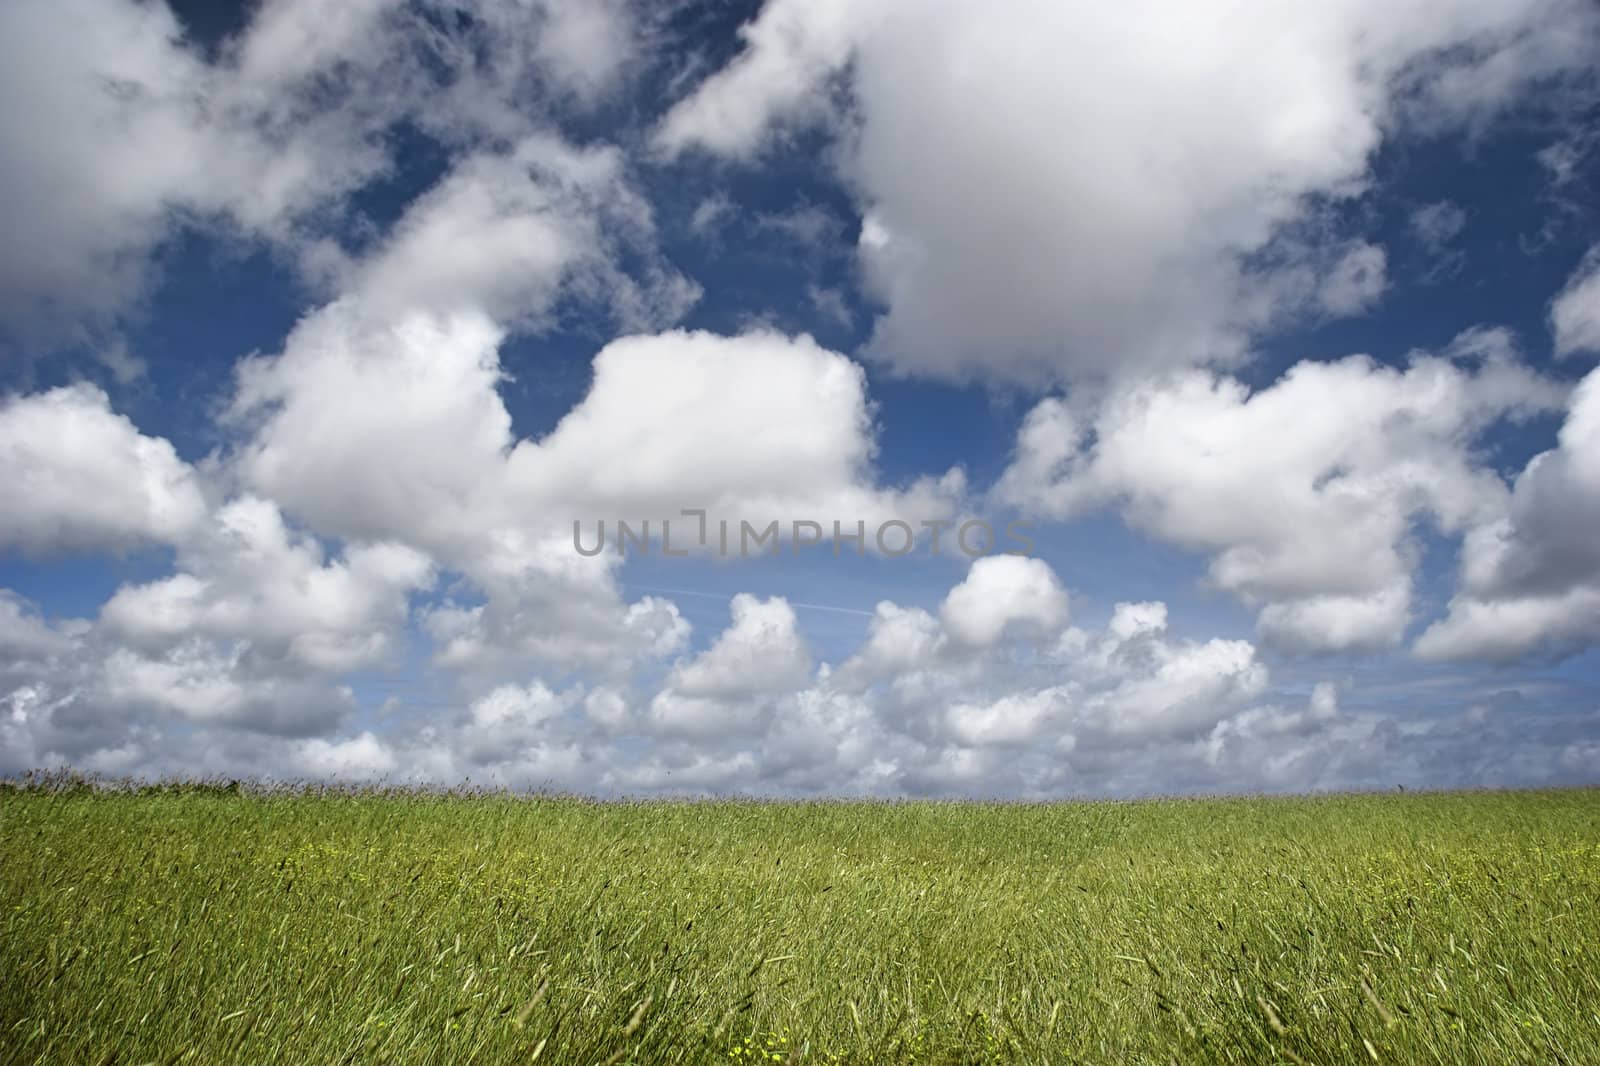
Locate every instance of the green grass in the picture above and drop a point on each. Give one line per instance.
(203, 926)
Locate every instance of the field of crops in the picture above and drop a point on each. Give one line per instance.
(208, 926)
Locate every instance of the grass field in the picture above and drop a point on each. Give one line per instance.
(204, 926)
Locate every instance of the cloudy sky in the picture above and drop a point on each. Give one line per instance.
(1272, 327)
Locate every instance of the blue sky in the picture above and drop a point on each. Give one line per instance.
(318, 333)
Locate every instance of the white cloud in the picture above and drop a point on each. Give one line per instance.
(1094, 218)
(248, 577)
(999, 593)
(381, 418)
(215, 684)
(1126, 709)
(1530, 574)
(362, 757)
(1018, 720)
(115, 131)
(112, 129)
(1305, 492)
(917, 709)
(789, 50)
(77, 476)
(509, 233)
(1575, 314)
(373, 428)
(728, 688)
(900, 642)
(24, 636)
(252, 633)
(1191, 687)
(1086, 221)
(393, 430)
(760, 426)
(97, 138)
(511, 719)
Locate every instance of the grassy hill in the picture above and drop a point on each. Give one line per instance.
(206, 925)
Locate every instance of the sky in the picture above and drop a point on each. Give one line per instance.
(1212, 386)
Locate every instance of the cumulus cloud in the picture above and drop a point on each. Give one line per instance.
(381, 418)
(252, 633)
(249, 577)
(213, 684)
(115, 131)
(728, 689)
(760, 426)
(1124, 709)
(112, 129)
(507, 233)
(393, 429)
(1003, 592)
(1079, 695)
(77, 476)
(1530, 575)
(756, 427)
(371, 508)
(363, 757)
(1095, 218)
(379, 424)
(1530, 571)
(1305, 492)
(97, 141)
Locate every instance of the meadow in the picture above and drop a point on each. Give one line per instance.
(213, 925)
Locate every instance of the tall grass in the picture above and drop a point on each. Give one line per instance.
(212, 926)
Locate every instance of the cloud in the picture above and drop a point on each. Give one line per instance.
(510, 720)
(1028, 214)
(361, 758)
(730, 688)
(1096, 219)
(1001, 592)
(1305, 492)
(249, 578)
(1575, 313)
(1124, 709)
(98, 135)
(1356, 280)
(24, 636)
(832, 306)
(202, 682)
(1530, 574)
(805, 225)
(760, 426)
(393, 430)
(76, 476)
(115, 132)
(380, 420)
(508, 234)
(251, 633)
(1435, 225)
(711, 214)
(373, 427)
(789, 50)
